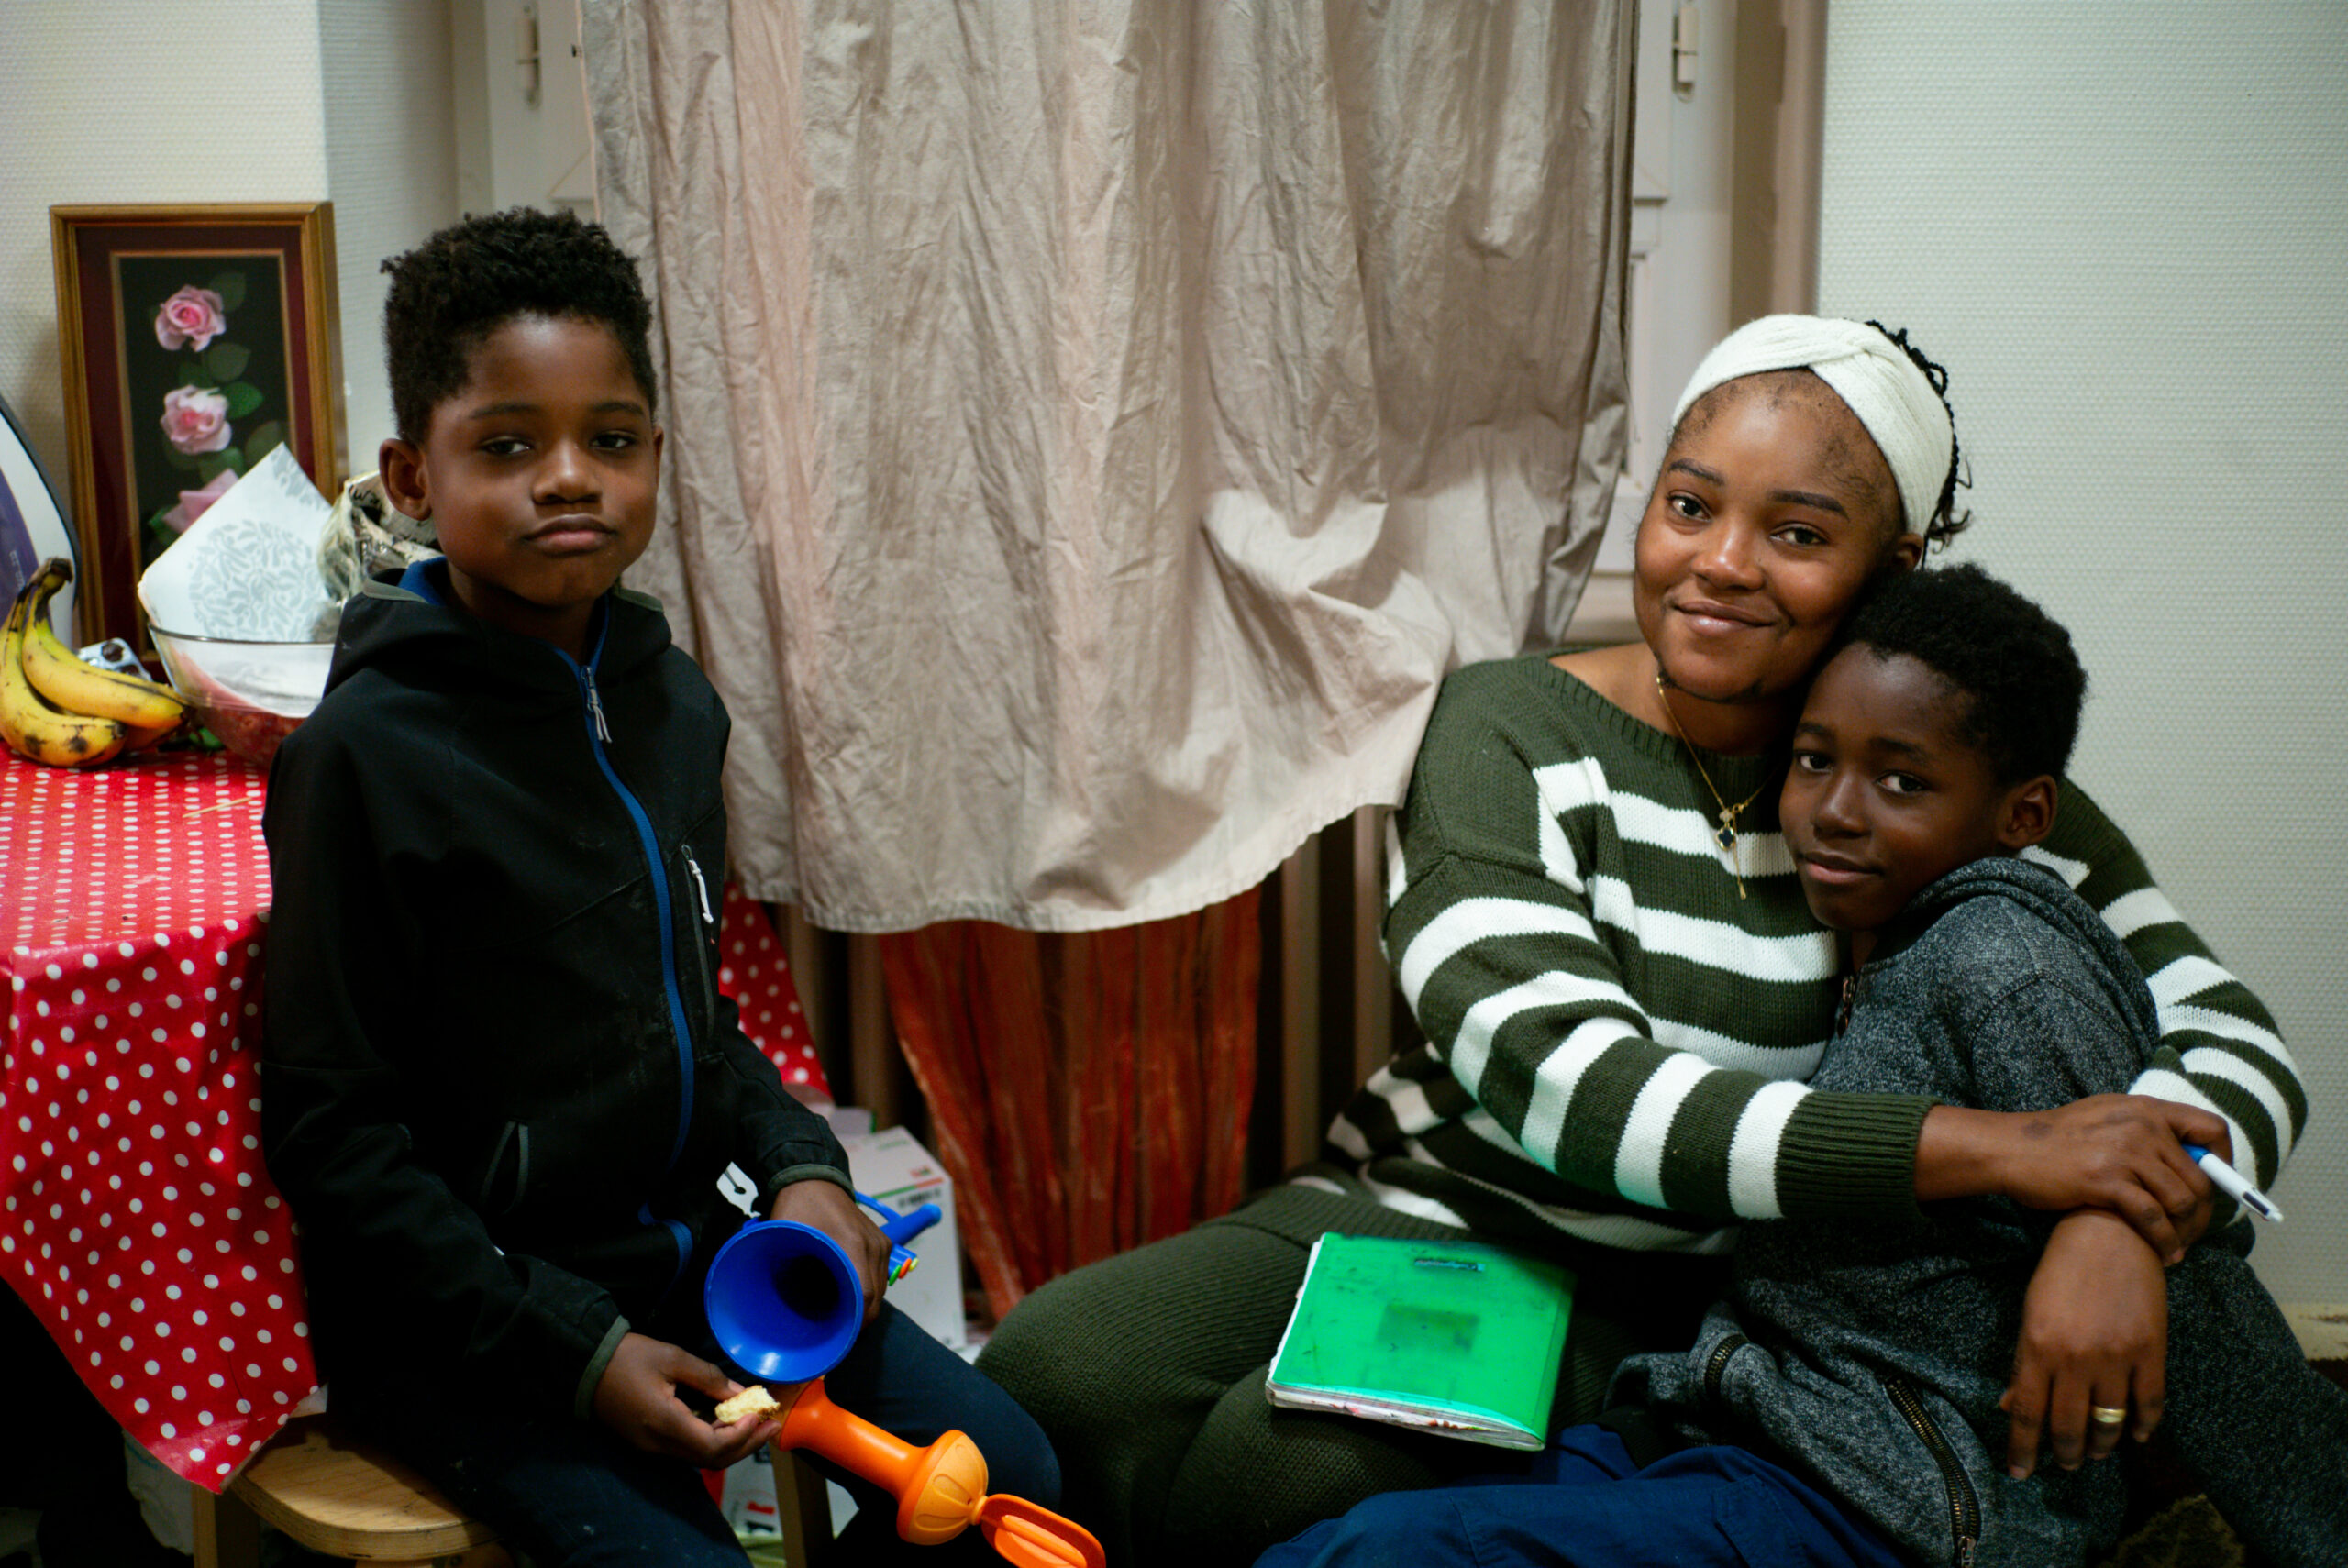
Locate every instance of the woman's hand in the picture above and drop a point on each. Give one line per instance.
(2094, 1332)
(2124, 1153)
(826, 1206)
(637, 1400)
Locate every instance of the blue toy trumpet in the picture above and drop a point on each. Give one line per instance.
(784, 1300)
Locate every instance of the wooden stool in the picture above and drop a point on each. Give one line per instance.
(347, 1500)
(802, 1506)
(343, 1499)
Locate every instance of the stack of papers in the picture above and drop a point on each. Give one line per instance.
(247, 568)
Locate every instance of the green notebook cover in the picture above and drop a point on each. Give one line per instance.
(1452, 1337)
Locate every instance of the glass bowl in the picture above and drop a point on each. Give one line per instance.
(250, 694)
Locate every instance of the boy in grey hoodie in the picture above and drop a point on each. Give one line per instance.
(1876, 1358)
(1871, 1362)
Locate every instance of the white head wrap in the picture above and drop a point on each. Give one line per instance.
(1869, 372)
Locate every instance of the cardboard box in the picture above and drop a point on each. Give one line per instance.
(747, 1497)
(893, 1168)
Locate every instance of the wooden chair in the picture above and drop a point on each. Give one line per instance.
(341, 1498)
(802, 1506)
(345, 1499)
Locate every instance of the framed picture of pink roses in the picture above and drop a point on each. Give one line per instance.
(195, 340)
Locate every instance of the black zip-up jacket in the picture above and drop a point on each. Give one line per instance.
(500, 1083)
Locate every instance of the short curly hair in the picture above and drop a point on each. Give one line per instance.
(2012, 662)
(451, 292)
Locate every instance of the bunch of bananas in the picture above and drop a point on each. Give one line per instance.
(57, 709)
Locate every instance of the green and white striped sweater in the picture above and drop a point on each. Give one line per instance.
(1618, 1042)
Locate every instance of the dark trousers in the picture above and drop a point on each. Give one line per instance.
(1147, 1370)
(2264, 1432)
(571, 1495)
(62, 1455)
(1586, 1504)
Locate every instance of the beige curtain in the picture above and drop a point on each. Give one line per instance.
(1095, 427)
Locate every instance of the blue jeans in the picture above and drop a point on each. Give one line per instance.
(1586, 1504)
(571, 1495)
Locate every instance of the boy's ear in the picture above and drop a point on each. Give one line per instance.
(405, 484)
(2027, 813)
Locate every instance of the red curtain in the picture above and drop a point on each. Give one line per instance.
(1088, 1092)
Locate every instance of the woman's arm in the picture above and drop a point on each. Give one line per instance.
(2065, 1031)
(2122, 1153)
(1610, 1028)
(2219, 1048)
(2219, 1075)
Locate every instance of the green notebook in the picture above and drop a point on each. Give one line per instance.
(1451, 1337)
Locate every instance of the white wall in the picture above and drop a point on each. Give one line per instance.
(2123, 230)
(1677, 297)
(428, 117)
(391, 154)
(522, 133)
(106, 101)
(137, 101)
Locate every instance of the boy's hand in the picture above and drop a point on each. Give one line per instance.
(826, 1206)
(2122, 1152)
(2094, 1332)
(637, 1400)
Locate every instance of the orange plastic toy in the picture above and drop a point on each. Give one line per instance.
(941, 1490)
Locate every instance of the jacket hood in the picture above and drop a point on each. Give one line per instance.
(2044, 894)
(416, 620)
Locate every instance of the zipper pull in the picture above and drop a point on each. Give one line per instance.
(1850, 995)
(1717, 1364)
(595, 706)
(700, 887)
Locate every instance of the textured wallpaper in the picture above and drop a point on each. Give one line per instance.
(392, 168)
(138, 101)
(2123, 229)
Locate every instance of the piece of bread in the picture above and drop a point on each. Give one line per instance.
(752, 1402)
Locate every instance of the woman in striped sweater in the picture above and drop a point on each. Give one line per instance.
(1598, 925)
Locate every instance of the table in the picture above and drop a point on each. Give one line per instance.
(137, 1217)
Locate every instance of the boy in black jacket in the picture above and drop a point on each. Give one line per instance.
(501, 1085)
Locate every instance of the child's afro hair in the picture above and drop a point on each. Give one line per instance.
(2012, 661)
(451, 292)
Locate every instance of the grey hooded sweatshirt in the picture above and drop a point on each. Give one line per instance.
(1871, 1357)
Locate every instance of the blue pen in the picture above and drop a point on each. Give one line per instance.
(2230, 1182)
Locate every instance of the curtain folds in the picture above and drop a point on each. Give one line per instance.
(1093, 429)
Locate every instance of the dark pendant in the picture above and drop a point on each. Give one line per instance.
(1727, 834)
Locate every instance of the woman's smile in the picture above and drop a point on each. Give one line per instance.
(1713, 618)
(1772, 511)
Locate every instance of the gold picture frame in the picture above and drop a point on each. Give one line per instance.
(195, 339)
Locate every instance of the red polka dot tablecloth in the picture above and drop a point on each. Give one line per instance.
(751, 969)
(136, 1216)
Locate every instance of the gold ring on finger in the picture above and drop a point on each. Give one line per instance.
(2108, 1415)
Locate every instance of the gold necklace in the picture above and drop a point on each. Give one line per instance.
(1726, 835)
